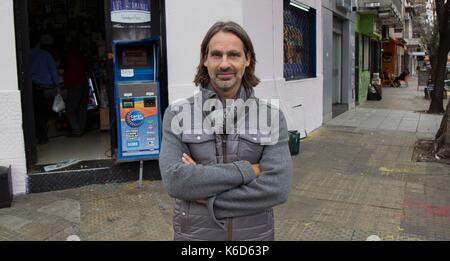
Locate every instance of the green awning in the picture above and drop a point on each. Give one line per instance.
(376, 36)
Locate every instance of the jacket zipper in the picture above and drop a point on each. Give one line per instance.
(224, 148)
(225, 160)
(230, 229)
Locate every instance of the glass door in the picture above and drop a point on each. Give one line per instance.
(337, 68)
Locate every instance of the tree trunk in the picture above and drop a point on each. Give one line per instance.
(438, 77)
(438, 73)
(442, 141)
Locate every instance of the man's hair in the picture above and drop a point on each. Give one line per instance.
(249, 80)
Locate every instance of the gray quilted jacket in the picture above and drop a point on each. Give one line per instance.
(237, 205)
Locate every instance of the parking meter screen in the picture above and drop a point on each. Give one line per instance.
(135, 57)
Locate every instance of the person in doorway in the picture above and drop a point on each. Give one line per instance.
(45, 84)
(225, 170)
(75, 81)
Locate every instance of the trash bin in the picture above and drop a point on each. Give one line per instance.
(6, 195)
(294, 142)
(447, 84)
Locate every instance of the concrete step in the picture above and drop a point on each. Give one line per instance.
(87, 173)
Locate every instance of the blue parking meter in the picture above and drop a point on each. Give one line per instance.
(137, 90)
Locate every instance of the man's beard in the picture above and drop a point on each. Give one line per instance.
(225, 86)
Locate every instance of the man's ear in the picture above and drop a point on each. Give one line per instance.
(248, 58)
(205, 61)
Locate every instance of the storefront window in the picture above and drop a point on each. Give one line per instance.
(299, 41)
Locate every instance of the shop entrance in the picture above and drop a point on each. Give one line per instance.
(91, 26)
(73, 32)
(59, 25)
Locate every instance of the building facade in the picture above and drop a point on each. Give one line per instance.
(287, 36)
(415, 51)
(386, 19)
(368, 53)
(264, 21)
(338, 57)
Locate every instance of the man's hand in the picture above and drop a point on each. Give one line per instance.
(187, 160)
(257, 169)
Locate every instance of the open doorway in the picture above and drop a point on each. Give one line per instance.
(57, 22)
(59, 27)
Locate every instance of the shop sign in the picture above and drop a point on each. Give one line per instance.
(130, 11)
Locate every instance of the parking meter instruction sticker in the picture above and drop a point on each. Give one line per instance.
(127, 73)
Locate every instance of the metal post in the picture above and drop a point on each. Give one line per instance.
(141, 171)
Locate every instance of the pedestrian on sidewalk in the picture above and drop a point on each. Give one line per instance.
(225, 178)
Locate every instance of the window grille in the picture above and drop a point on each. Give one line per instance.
(299, 43)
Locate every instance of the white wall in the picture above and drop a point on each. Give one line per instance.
(267, 23)
(186, 24)
(12, 148)
(263, 20)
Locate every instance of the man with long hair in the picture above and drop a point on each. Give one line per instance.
(225, 156)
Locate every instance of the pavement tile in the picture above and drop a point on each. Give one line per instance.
(13, 223)
(68, 209)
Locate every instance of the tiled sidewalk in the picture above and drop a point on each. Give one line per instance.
(348, 184)
(353, 178)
